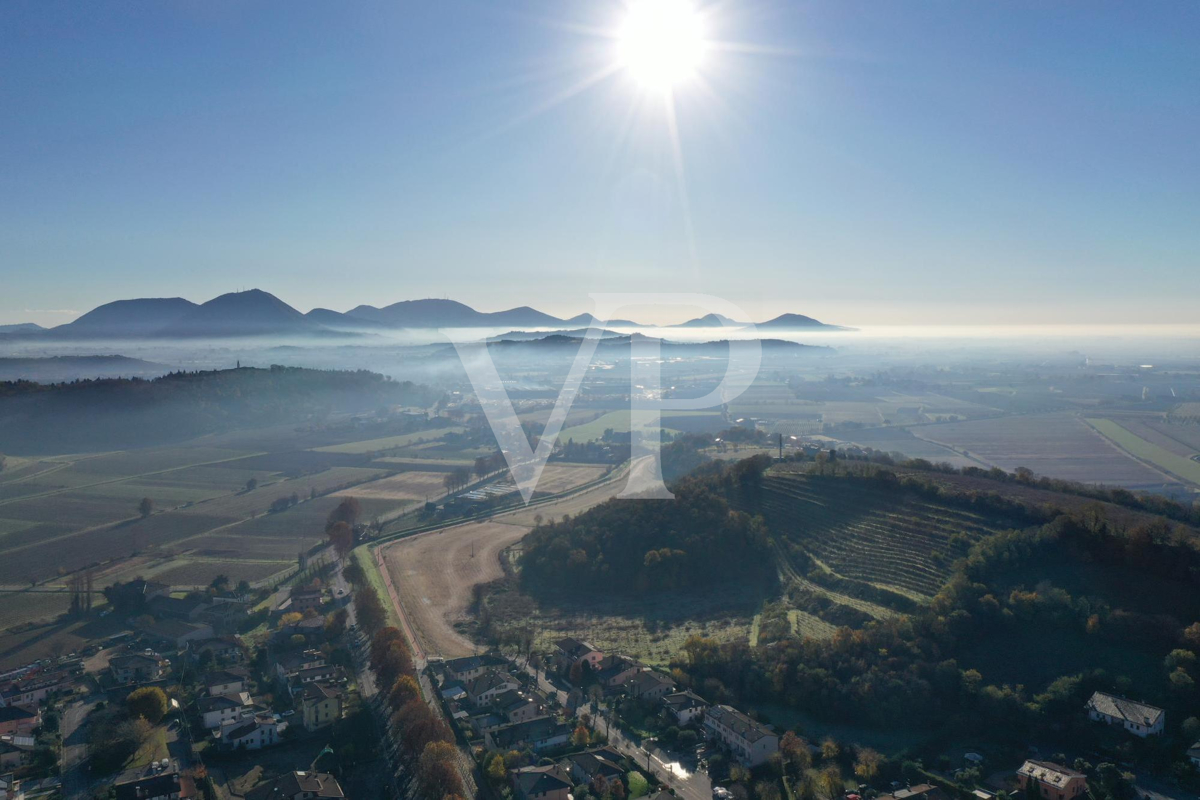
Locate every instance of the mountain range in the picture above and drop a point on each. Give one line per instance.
(258, 313)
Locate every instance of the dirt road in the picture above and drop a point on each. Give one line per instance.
(433, 573)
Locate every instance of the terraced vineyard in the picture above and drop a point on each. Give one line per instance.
(889, 538)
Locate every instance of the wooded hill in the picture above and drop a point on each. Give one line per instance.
(125, 413)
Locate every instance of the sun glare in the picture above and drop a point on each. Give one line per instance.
(661, 42)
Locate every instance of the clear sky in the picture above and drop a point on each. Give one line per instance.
(861, 162)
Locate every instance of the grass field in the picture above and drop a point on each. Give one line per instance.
(389, 442)
(1177, 465)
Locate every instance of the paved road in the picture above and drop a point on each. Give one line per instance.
(76, 777)
(692, 785)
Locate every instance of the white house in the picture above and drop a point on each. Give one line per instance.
(685, 707)
(748, 741)
(216, 711)
(1137, 718)
(250, 733)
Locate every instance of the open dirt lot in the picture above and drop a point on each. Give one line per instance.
(433, 573)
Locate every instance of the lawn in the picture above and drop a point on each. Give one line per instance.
(1148, 451)
(153, 749)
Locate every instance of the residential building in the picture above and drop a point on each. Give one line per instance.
(298, 786)
(569, 652)
(250, 733)
(487, 686)
(15, 751)
(311, 628)
(175, 633)
(586, 766)
(469, 667)
(1139, 719)
(537, 734)
(187, 609)
(541, 783)
(137, 668)
(216, 711)
(227, 681)
(289, 664)
(1054, 782)
(19, 719)
(320, 705)
(922, 791)
(35, 690)
(649, 685)
(156, 783)
(224, 649)
(613, 671)
(750, 742)
(303, 600)
(1193, 754)
(515, 706)
(10, 788)
(323, 674)
(684, 707)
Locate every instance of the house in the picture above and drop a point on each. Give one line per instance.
(223, 617)
(291, 664)
(538, 734)
(216, 711)
(649, 685)
(514, 706)
(35, 690)
(1054, 782)
(685, 707)
(327, 673)
(469, 667)
(922, 791)
(584, 767)
(137, 668)
(174, 632)
(750, 742)
(250, 733)
(156, 783)
(305, 599)
(541, 783)
(1137, 718)
(1193, 754)
(311, 628)
(224, 649)
(10, 788)
(487, 686)
(15, 751)
(320, 705)
(569, 652)
(227, 681)
(186, 609)
(19, 719)
(613, 671)
(298, 786)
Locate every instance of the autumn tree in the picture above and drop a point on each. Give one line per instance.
(341, 536)
(866, 767)
(346, 511)
(437, 771)
(146, 507)
(369, 610)
(149, 702)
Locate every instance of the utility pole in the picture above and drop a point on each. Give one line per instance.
(781, 447)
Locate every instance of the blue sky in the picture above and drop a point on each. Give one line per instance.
(879, 162)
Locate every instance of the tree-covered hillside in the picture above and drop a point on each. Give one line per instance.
(131, 412)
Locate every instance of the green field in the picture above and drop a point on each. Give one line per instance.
(1177, 465)
(389, 442)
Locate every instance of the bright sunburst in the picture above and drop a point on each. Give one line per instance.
(661, 42)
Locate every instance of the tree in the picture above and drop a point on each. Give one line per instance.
(346, 511)
(796, 756)
(496, 770)
(437, 772)
(341, 536)
(149, 702)
(146, 507)
(580, 736)
(251, 484)
(867, 765)
(335, 624)
(369, 610)
(290, 618)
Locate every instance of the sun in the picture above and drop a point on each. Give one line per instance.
(661, 43)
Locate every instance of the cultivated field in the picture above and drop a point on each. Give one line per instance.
(1181, 466)
(390, 442)
(618, 421)
(434, 572)
(560, 477)
(1057, 445)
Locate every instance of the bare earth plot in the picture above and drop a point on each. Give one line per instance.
(1057, 445)
(434, 573)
